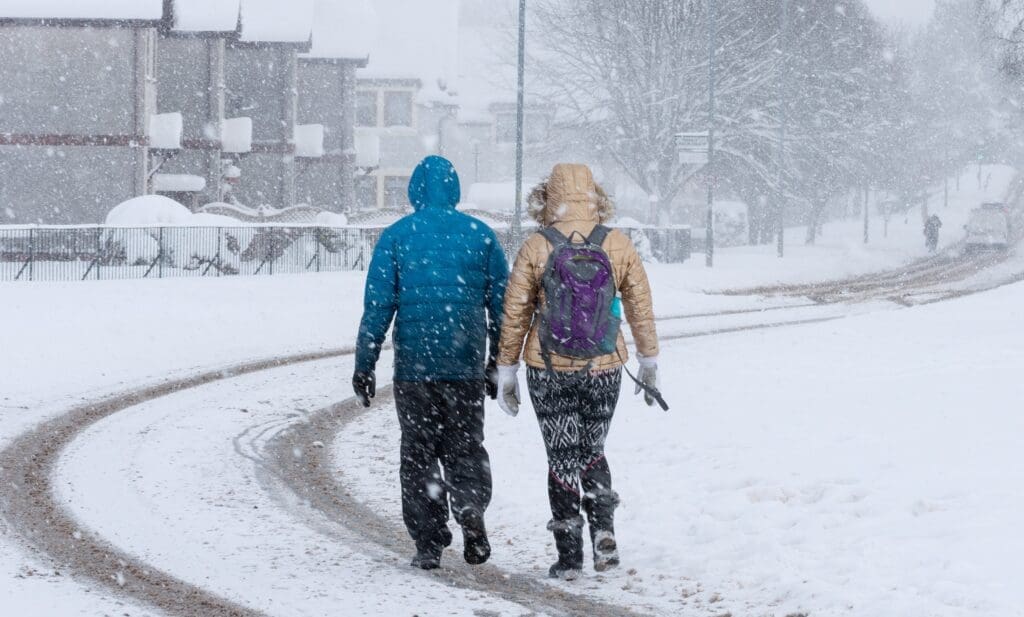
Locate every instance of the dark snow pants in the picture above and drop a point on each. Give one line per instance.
(575, 412)
(441, 422)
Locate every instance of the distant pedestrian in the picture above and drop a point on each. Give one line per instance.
(932, 225)
(568, 288)
(441, 275)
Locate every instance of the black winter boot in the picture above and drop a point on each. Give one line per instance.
(477, 549)
(428, 552)
(600, 507)
(569, 542)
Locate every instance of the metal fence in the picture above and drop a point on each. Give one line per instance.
(107, 253)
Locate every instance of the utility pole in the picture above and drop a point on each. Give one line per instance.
(783, 119)
(867, 210)
(945, 181)
(709, 237)
(517, 225)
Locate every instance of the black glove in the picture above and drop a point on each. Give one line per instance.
(491, 379)
(365, 385)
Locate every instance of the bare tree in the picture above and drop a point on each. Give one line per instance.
(633, 74)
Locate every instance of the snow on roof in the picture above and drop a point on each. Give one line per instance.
(417, 40)
(343, 29)
(206, 15)
(82, 9)
(275, 21)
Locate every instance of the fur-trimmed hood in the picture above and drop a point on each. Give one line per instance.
(569, 194)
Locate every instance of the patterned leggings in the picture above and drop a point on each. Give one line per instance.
(575, 412)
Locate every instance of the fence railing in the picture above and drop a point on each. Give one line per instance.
(106, 253)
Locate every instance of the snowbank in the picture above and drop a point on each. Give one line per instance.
(496, 196)
(331, 219)
(160, 211)
(148, 210)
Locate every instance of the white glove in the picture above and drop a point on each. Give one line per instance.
(508, 389)
(648, 375)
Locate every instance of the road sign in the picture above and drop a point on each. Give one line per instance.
(693, 148)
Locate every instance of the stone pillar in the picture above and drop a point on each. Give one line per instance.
(144, 104)
(290, 60)
(214, 118)
(347, 166)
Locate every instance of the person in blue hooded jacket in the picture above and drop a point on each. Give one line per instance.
(440, 275)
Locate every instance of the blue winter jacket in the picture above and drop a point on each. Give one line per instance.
(443, 273)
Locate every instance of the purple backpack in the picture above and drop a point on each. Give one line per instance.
(576, 320)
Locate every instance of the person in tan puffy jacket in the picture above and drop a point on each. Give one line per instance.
(574, 400)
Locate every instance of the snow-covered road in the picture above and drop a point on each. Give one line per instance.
(156, 479)
(183, 471)
(761, 503)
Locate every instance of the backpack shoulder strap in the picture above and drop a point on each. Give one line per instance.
(597, 237)
(555, 237)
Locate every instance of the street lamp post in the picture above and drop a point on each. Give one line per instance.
(517, 227)
(783, 119)
(709, 233)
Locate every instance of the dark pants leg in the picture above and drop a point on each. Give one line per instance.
(441, 422)
(575, 414)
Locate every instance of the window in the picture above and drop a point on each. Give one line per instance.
(396, 191)
(366, 108)
(505, 124)
(398, 108)
(536, 129)
(366, 192)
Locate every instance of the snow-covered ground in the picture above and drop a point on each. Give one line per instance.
(870, 457)
(867, 466)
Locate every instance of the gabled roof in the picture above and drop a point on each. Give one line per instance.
(342, 29)
(82, 10)
(206, 15)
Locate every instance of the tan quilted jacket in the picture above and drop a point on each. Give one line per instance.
(571, 201)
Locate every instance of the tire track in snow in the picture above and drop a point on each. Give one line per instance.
(49, 532)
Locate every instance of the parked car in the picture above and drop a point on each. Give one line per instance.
(988, 227)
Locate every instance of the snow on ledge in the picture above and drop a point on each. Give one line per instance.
(82, 9)
(309, 140)
(165, 131)
(206, 15)
(236, 135)
(178, 183)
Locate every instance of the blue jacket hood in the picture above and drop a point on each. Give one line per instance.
(434, 183)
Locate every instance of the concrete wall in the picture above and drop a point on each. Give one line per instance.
(63, 185)
(77, 81)
(261, 84)
(190, 80)
(66, 86)
(327, 97)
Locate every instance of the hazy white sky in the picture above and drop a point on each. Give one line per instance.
(910, 12)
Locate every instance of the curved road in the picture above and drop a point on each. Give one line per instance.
(46, 528)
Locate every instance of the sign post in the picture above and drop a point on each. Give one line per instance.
(693, 148)
(696, 149)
